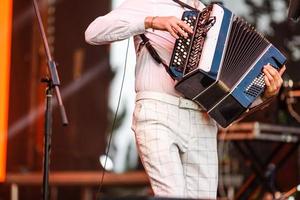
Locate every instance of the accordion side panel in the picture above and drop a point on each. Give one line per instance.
(247, 90)
(252, 85)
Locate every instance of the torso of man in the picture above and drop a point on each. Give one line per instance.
(150, 76)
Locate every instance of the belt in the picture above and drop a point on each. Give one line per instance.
(170, 99)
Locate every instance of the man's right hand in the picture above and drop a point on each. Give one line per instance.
(173, 25)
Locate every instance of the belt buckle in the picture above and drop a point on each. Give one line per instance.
(185, 103)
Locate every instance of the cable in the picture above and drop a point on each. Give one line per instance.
(292, 111)
(114, 122)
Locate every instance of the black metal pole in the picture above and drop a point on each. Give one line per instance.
(47, 140)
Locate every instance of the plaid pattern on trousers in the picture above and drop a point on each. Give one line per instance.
(177, 143)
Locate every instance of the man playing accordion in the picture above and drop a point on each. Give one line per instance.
(176, 139)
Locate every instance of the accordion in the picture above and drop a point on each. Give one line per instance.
(220, 65)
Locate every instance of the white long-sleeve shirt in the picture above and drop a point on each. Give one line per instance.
(128, 20)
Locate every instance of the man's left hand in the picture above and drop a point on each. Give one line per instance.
(273, 80)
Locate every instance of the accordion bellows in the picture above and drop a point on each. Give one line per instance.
(220, 65)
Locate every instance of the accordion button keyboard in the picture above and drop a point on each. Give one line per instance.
(182, 50)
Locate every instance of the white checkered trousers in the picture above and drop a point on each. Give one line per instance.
(177, 143)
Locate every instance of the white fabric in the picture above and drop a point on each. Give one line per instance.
(178, 146)
(128, 20)
(177, 101)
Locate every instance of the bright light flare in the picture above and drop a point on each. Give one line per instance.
(5, 50)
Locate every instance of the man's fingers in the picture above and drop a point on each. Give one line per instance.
(282, 70)
(179, 30)
(273, 79)
(267, 82)
(172, 32)
(270, 81)
(276, 75)
(271, 70)
(268, 75)
(185, 27)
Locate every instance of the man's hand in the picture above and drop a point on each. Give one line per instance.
(173, 25)
(273, 80)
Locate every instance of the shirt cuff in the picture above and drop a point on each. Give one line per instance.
(139, 27)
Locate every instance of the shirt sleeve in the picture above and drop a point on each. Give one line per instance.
(123, 22)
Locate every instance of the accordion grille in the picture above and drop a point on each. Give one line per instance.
(255, 87)
(243, 47)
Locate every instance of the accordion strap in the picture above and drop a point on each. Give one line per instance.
(265, 103)
(154, 54)
(185, 5)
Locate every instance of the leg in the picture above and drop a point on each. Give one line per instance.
(158, 148)
(200, 161)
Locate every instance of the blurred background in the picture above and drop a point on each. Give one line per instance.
(91, 79)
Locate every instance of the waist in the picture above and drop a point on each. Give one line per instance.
(181, 102)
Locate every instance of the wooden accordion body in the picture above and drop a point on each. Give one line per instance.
(220, 65)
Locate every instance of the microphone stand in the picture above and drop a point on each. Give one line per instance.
(52, 83)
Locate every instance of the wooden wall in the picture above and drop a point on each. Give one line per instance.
(84, 74)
